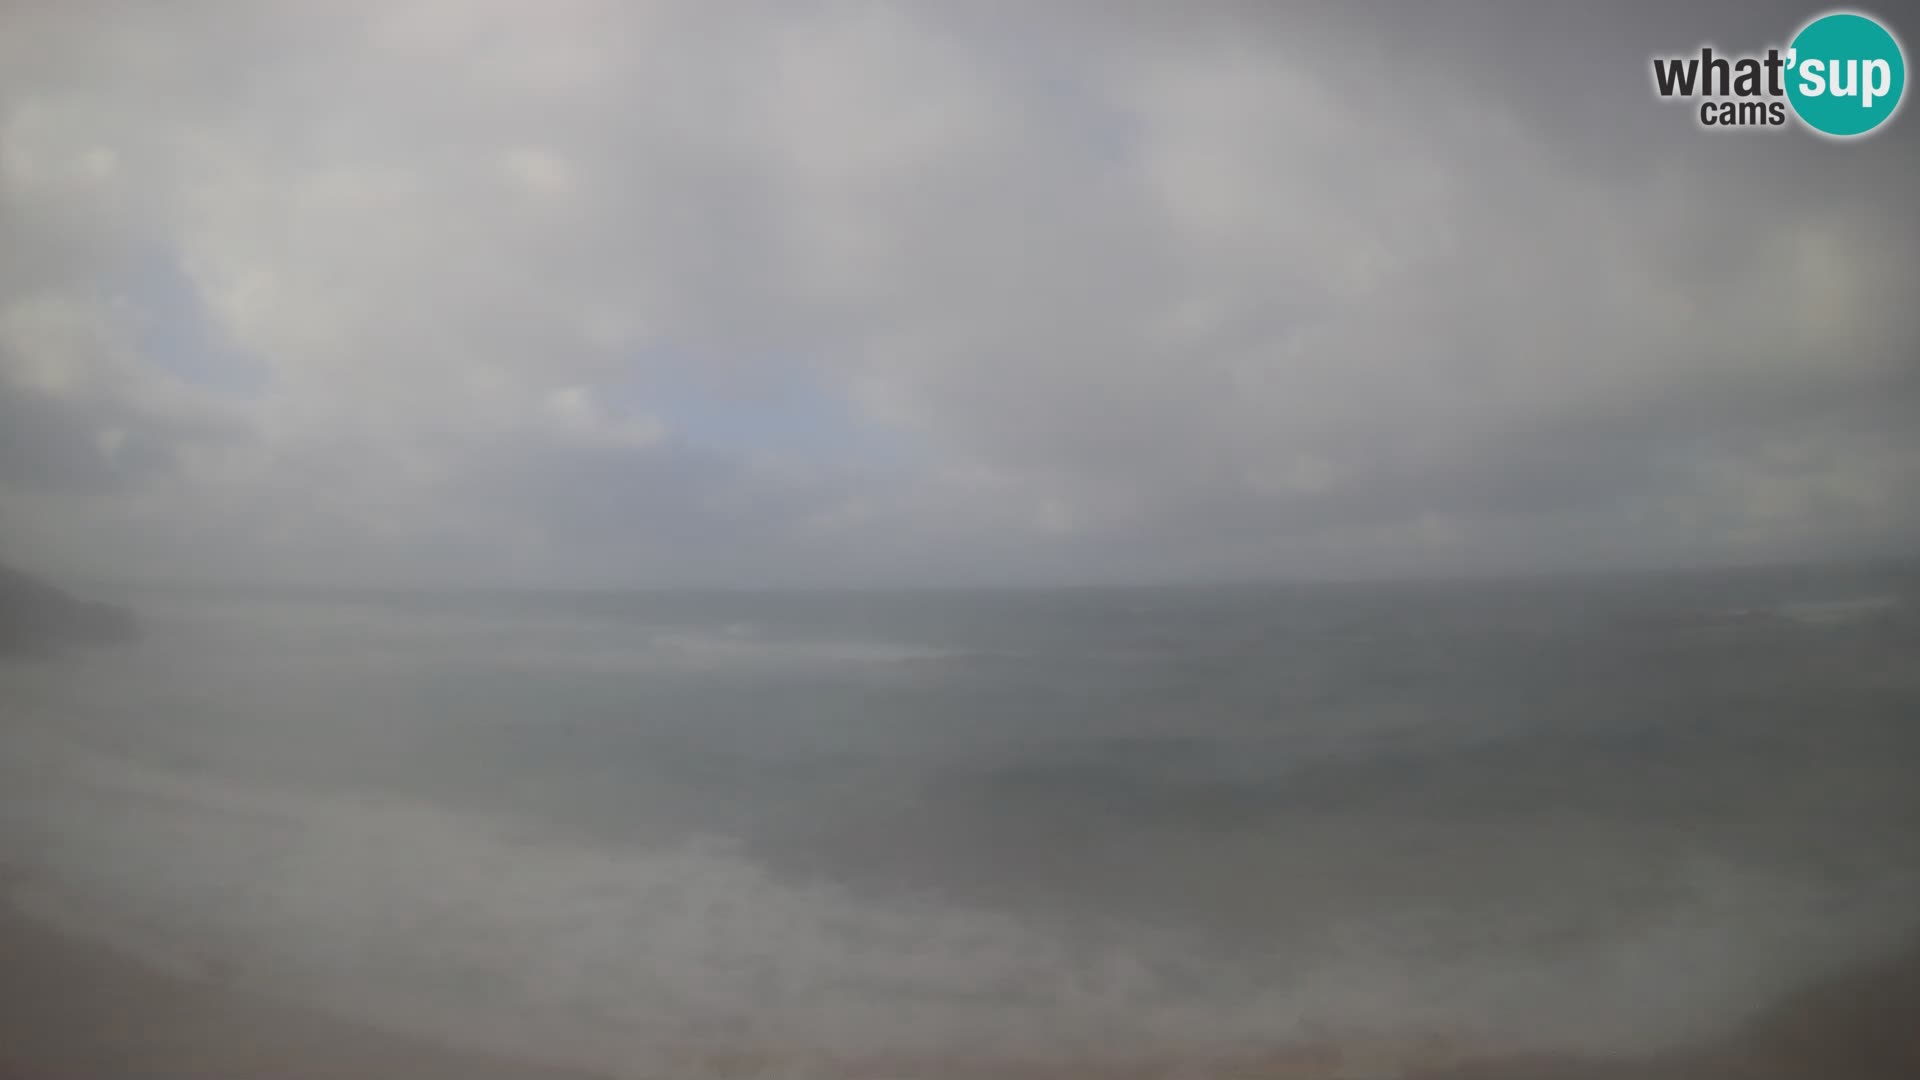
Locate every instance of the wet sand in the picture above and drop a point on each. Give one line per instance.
(71, 1009)
(1864, 1025)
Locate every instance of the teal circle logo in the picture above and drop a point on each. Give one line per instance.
(1845, 74)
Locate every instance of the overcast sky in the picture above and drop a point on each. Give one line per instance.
(808, 292)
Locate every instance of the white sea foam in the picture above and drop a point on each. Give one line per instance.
(346, 635)
(484, 930)
(1822, 613)
(1842, 611)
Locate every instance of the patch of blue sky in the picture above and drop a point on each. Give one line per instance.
(177, 334)
(788, 408)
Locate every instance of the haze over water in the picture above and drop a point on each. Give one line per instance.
(610, 829)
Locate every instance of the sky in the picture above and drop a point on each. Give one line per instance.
(452, 292)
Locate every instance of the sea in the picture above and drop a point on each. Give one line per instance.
(893, 832)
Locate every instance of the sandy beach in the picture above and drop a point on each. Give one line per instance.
(76, 1009)
(71, 1009)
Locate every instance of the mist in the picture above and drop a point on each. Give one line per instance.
(660, 294)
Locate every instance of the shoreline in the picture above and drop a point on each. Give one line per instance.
(71, 1008)
(75, 1008)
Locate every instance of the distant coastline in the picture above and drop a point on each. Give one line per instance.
(36, 618)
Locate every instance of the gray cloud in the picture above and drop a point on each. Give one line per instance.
(1091, 291)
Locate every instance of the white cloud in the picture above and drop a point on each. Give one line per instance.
(538, 172)
(1121, 295)
(577, 415)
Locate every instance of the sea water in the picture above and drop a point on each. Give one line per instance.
(624, 830)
